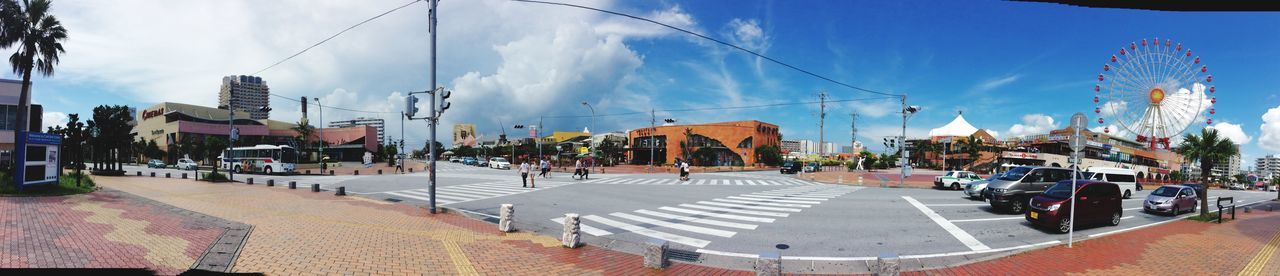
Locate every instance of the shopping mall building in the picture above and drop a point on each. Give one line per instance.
(172, 123)
(725, 144)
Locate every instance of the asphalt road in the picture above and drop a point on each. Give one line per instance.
(739, 214)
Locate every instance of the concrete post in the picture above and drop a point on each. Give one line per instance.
(184, 175)
(859, 180)
(330, 172)
(840, 179)
(166, 175)
(139, 173)
(655, 254)
(571, 238)
(507, 213)
(153, 174)
(410, 170)
(357, 172)
(887, 264)
(315, 188)
(379, 171)
(248, 181)
(342, 191)
(293, 185)
(769, 264)
(271, 182)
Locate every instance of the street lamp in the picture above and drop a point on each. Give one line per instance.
(320, 109)
(591, 140)
(907, 111)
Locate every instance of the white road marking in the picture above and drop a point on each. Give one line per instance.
(737, 182)
(763, 203)
(690, 228)
(956, 205)
(716, 215)
(411, 196)
(650, 233)
(698, 220)
(959, 234)
(773, 200)
(783, 197)
(745, 212)
(588, 229)
(987, 219)
(749, 206)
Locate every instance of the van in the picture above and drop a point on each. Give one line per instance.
(1012, 190)
(1125, 178)
(1096, 202)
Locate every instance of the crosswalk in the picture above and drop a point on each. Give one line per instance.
(691, 223)
(451, 167)
(695, 182)
(471, 192)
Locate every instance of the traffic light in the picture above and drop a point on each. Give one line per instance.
(444, 105)
(410, 105)
(519, 126)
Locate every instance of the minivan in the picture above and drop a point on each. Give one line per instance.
(1125, 178)
(1096, 202)
(1011, 191)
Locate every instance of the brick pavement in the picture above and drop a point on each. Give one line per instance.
(299, 232)
(1244, 247)
(103, 229)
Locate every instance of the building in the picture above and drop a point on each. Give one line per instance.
(177, 124)
(714, 144)
(464, 135)
(378, 124)
(1268, 167)
(789, 146)
(246, 94)
(1228, 169)
(949, 152)
(10, 90)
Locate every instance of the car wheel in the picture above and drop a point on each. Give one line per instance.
(1017, 206)
(266, 170)
(237, 169)
(1127, 195)
(955, 186)
(1115, 218)
(1064, 225)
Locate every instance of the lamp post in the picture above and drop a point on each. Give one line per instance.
(320, 109)
(907, 111)
(591, 141)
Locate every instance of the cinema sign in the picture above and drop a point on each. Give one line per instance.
(148, 114)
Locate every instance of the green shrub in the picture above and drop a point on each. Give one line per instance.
(214, 177)
(65, 186)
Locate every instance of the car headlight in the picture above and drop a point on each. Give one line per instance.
(1052, 208)
(997, 191)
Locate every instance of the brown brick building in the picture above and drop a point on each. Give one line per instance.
(714, 144)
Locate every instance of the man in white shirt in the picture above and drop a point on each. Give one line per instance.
(524, 174)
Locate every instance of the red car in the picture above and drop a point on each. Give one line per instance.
(1096, 202)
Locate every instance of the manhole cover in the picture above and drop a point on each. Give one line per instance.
(782, 246)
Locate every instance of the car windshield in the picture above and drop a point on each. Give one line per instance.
(1166, 191)
(499, 159)
(951, 174)
(994, 177)
(1015, 174)
(1061, 190)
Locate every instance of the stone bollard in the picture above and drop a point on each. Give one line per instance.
(139, 173)
(379, 171)
(1248, 209)
(840, 179)
(859, 180)
(769, 264)
(330, 172)
(153, 174)
(342, 191)
(506, 215)
(271, 182)
(315, 188)
(410, 169)
(655, 254)
(184, 175)
(307, 172)
(249, 181)
(166, 175)
(571, 238)
(356, 172)
(887, 264)
(293, 185)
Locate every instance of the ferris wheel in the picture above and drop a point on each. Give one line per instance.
(1154, 90)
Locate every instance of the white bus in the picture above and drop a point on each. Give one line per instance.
(265, 159)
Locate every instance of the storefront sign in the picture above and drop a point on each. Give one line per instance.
(147, 114)
(1019, 155)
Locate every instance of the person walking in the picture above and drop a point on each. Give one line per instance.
(586, 167)
(546, 168)
(524, 174)
(577, 168)
(400, 164)
(684, 171)
(679, 173)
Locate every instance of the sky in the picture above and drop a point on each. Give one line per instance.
(1012, 68)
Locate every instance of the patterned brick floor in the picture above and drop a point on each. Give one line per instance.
(104, 229)
(299, 232)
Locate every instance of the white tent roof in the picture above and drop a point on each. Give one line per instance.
(957, 127)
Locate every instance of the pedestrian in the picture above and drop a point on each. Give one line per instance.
(546, 168)
(577, 168)
(684, 171)
(586, 167)
(679, 172)
(400, 164)
(524, 174)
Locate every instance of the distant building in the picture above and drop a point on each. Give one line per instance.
(789, 146)
(1227, 169)
(464, 135)
(174, 123)
(246, 94)
(362, 121)
(9, 92)
(1268, 167)
(720, 144)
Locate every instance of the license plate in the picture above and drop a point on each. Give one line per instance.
(1035, 215)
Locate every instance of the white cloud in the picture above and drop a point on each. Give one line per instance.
(1032, 124)
(50, 119)
(1110, 109)
(1270, 130)
(995, 83)
(1111, 129)
(1232, 131)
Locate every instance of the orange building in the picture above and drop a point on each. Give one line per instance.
(714, 144)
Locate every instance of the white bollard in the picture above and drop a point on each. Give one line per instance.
(859, 180)
(507, 213)
(840, 179)
(655, 254)
(769, 264)
(571, 238)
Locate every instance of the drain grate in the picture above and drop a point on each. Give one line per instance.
(683, 255)
(392, 199)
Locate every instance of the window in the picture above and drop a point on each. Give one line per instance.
(746, 143)
(1120, 178)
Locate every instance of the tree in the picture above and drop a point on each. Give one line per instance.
(112, 136)
(463, 150)
(214, 146)
(38, 36)
(391, 152)
(973, 147)
(439, 149)
(1209, 149)
(610, 150)
(769, 155)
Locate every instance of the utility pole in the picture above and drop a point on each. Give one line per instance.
(822, 116)
(653, 119)
(853, 131)
(431, 144)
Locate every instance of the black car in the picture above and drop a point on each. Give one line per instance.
(791, 167)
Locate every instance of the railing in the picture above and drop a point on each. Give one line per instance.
(1231, 204)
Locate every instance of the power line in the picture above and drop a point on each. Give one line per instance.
(717, 41)
(336, 35)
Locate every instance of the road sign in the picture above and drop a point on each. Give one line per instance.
(1079, 121)
(1076, 142)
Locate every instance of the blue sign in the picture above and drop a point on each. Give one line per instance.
(35, 138)
(38, 159)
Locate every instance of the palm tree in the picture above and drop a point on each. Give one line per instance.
(304, 132)
(1208, 148)
(39, 37)
(973, 146)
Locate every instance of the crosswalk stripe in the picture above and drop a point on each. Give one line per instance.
(506, 187)
(698, 220)
(716, 215)
(700, 181)
(649, 181)
(739, 211)
(585, 228)
(409, 196)
(478, 191)
(737, 182)
(773, 200)
(690, 228)
(617, 180)
(462, 192)
(741, 206)
(783, 197)
(752, 182)
(443, 193)
(650, 233)
(440, 195)
(762, 203)
(791, 195)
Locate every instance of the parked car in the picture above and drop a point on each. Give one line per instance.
(974, 189)
(471, 161)
(186, 164)
(1125, 178)
(155, 163)
(481, 162)
(1011, 191)
(1096, 202)
(1171, 199)
(812, 167)
(455, 159)
(955, 179)
(790, 167)
(499, 163)
(1237, 186)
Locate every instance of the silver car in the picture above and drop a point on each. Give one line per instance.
(1171, 199)
(974, 189)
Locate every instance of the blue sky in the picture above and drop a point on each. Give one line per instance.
(1008, 66)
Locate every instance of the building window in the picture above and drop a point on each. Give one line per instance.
(745, 144)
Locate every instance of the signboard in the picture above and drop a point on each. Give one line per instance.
(41, 155)
(148, 114)
(1019, 155)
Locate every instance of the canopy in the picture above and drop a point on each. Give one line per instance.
(957, 127)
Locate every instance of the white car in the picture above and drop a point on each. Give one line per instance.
(499, 163)
(186, 164)
(1125, 178)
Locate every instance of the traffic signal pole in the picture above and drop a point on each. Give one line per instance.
(431, 173)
